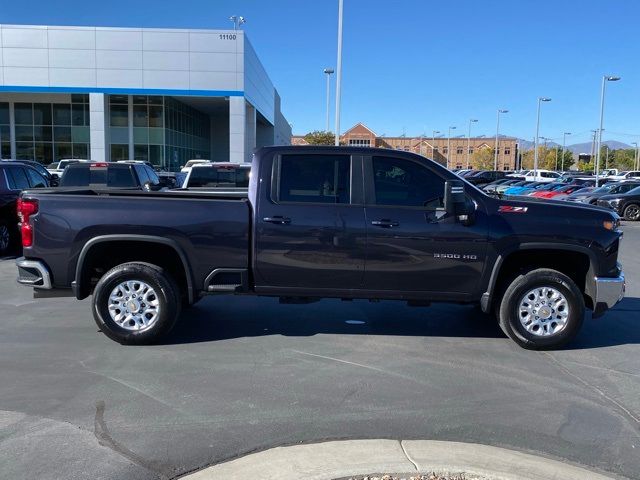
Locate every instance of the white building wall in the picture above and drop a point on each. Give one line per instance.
(237, 127)
(98, 126)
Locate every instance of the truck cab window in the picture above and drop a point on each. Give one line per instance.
(405, 183)
(315, 178)
(17, 178)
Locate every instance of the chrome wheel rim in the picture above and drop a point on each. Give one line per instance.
(543, 311)
(633, 212)
(4, 238)
(134, 305)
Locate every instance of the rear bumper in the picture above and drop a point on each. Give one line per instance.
(33, 273)
(609, 291)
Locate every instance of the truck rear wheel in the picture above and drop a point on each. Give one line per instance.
(541, 310)
(136, 303)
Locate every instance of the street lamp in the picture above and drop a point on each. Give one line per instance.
(433, 144)
(564, 142)
(471, 120)
(328, 72)
(495, 158)
(636, 165)
(535, 152)
(237, 21)
(605, 79)
(339, 73)
(449, 145)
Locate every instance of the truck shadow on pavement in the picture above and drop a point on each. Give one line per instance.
(223, 318)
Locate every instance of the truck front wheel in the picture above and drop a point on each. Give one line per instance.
(136, 303)
(541, 310)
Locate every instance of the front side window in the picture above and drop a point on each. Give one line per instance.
(35, 179)
(315, 178)
(406, 183)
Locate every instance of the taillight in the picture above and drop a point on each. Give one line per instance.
(26, 208)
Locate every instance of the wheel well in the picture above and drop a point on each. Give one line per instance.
(105, 255)
(574, 265)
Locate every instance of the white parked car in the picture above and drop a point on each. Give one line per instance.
(634, 174)
(191, 163)
(541, 176)
(58, 167)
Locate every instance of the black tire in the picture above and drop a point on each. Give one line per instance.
(631, 212)
(8, 238)
(509, 315)
(166, 292)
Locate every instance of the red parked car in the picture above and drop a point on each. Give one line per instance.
(559, 191)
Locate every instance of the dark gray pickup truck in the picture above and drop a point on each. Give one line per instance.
(324, 222)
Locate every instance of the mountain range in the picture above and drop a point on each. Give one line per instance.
(576, 148)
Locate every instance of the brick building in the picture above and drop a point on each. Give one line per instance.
(435, 148)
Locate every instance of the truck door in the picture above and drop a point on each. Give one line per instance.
(310, 228)
(412, 244)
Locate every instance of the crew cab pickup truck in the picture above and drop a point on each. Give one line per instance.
(319, 222)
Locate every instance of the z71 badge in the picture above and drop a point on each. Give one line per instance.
(512, 209)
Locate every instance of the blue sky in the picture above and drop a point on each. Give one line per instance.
(414, 66)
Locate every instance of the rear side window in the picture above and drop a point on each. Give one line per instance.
(315, 178)
(17, 178)
(219, 176)
(153, 176)
(405, 183)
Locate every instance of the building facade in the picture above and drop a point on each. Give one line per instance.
(436, 148)
(161, 95)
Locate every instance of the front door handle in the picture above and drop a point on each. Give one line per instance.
(278, 220)
(385, 223)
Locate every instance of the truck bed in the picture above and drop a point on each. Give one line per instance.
(212, 229)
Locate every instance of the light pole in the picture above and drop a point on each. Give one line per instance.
(606, 157)
(564, 142)
(471, 120)
(237, 21)
(605, 79)
(449, 145)
(433, 144)
(338, 73)
(495, 157)
(328, 72)
(636, 165)
(535, 151)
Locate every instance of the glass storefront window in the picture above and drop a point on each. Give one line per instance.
(119, 152)
(42, 133)
(119, 115)
(24, 133)
(61, 114)
(62, 134)
(42, 114)
(23, 113)
(63, 150)
(141, 152)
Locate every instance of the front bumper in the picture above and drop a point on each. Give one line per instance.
(33, 273)
(609, 291)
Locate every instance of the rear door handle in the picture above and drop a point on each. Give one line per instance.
(384, 223)
(278, 220)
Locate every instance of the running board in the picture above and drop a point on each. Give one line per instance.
(227, 280)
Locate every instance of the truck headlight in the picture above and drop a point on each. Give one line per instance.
(614, 203)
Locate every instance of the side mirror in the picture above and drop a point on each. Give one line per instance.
(456, 203)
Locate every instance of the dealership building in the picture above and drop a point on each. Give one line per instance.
(162, 95)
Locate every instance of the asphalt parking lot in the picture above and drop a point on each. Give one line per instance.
(245, 374)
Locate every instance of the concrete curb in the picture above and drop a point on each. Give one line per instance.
(332, 460)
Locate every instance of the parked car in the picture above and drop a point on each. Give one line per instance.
(523, 189)
(484, 177)
(52, 178)
(14, 177)
(491, 187)
(558, 191)
(514, 183)
(219, 175)
(312, 220)
(627, 205)
(592, 196)
(190, 163)
(57, 168)
(542, 176)
(634, 174)
(110, 175)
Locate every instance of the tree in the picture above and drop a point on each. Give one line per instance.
(319, 137)
(482, 159)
